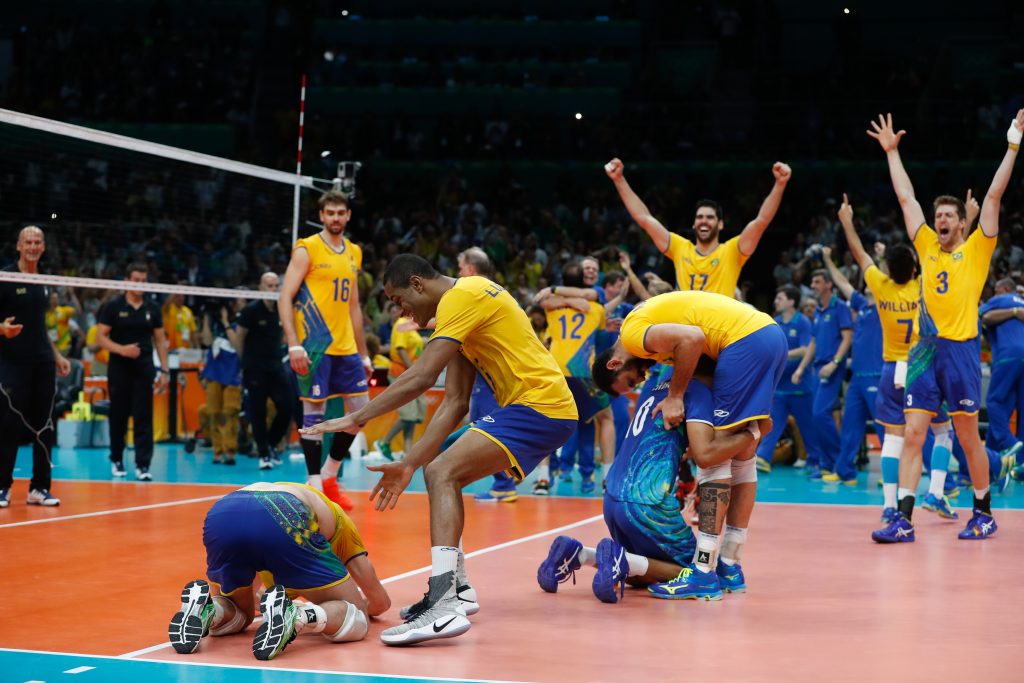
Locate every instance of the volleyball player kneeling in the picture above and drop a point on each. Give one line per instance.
(300, 543)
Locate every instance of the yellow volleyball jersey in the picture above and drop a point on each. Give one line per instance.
(322, 317)
(345, 542)
(723, 320)
(495, 335)
(952, 281)
(716, 272)
(897, 312)
(405, 335)
(574, 338)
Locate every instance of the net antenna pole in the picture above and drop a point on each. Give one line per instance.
(298, 163)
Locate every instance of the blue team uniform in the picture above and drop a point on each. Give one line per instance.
(640, 507)
(619, 404)
(1006, 387)
(828, 324)
(793, 399)
(862, 391)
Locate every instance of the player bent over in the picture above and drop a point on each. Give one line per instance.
(300, 543)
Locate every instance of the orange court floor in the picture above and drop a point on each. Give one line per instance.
(92, 584)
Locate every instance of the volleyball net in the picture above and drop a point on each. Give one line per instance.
(204, 226)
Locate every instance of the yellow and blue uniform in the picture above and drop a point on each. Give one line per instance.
(324, 322)
(573, 345)
(898, 310)
(1006, 387)
(640, 506)
(537, 412)
(792, 399)
(717, 272)
(945, 364)
(276, 534)
(750, 348)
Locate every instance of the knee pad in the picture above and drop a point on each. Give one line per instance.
(943, 436)
(354, 403)
(312, 413)
(717, 473)
(744, 471)
(354, 626)
(233, 625)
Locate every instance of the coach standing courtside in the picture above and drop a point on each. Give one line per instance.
(129, 326)
(28, 363)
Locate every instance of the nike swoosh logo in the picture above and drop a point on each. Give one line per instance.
(438, 629)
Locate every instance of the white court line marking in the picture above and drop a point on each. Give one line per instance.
(422, 570)
(116, 511)
(321, 672)
(79, 669)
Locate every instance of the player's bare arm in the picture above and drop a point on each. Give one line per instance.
(298, 267)
(658, 233)
(990, 208)
(889, 139)
(751, 235)
(852, 239)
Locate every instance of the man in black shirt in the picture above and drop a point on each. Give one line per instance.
(262, 347)
(28, 364)
(127, 327)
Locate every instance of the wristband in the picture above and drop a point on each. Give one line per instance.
(297, 348)
(837, 361)
(164, 372)
(367, 363)
(1014, 146)
(1013, 136)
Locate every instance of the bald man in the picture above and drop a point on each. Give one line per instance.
(29, 363)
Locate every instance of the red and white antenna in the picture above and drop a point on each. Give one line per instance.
(298, 161)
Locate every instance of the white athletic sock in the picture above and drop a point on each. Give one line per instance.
(316, 481)
(329, 469)
(638, 564)
(705, 556)
(443, 558)
(937, 484)
(587, 556)
(892, 449)
(732, 544)
(311, 616)
(903, 493)
(544, 472)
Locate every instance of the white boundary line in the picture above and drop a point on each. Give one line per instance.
(144, 146)
(111, 512)
(422, 570)
(361, 675)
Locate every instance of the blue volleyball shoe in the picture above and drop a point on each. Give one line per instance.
(899, 531)
(561, 564)
(939, 506)
(612, 569)
(691, 584)
(731, 577)
(980, 526)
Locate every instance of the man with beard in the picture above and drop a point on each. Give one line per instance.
(708, 265)
(945, 364)
(751, 353)
(323, 325)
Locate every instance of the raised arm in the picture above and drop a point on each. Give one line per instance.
(889, 139)
(751, 234)
(852, 239)
(990, 208)
(658, 233)
(634, 282)
(845, 288)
